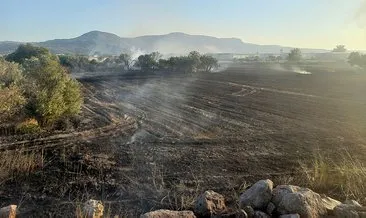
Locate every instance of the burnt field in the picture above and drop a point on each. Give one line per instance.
(156, 140)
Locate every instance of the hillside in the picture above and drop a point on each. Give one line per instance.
(96, 42)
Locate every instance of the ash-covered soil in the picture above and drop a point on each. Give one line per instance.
(155, 137)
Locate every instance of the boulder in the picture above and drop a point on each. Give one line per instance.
(290, 216)
(93, 209)
(270, 208)
(168, 214)
(330, 204)
(350, 209)
(258, 196)
(8, 212)
(290, 199)
(260, 214)
(210, 203)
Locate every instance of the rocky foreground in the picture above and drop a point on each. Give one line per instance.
(261, 200)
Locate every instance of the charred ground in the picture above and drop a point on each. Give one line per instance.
(152, 140)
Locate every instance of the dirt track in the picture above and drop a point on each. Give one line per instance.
(155, 132)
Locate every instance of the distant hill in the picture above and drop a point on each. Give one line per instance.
(102, 43)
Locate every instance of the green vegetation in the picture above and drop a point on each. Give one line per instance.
(295, 55)
(194, 62)
(40, 87)
(358, 59)
(11, 96)
(340, 48)
(25, 52)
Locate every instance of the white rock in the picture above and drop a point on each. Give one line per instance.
(258, 196)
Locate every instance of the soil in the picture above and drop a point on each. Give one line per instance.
(149, 139)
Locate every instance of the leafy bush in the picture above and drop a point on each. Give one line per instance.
(11, 96)
(28, 126)
(44, 88)
(53, 94)
(26, 51)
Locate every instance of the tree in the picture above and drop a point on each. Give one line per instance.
(340, 48)
(26, 51)
(295, 55)
(148, 61)
(11, 94)
(195, 58)
(52, 93)
(126, 59)
(356, 58)
(208, 63)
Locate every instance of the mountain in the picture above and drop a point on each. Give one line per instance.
(102, 43)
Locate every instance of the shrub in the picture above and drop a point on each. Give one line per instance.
(28, 126)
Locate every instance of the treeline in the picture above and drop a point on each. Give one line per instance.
(193, 62)
(36, 90)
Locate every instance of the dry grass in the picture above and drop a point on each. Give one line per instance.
(19, 162)
(345, 178)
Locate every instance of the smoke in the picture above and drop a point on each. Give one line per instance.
(300, 71)
(294, 69)
(135, 53)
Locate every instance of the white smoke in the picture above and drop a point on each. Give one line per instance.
(136, 52)
(300, 71)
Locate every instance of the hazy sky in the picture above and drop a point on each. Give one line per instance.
(298, 23)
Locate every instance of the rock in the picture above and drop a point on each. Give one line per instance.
(93, 209)
(249, 210)
(350, 209)
(270, 208)
(8, 212)
(260, 214)
(295, 215)
(258, 196)
(330, 204)
(210, 203)
(168, 214)
(290, 199)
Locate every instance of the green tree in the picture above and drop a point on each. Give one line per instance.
(295, 55)
(356, 58)
(51, 92)
(208, 63)
(26, 51)
(126, 59)
(340, 48)
(12, 100)
(148, 61)
(195, 59)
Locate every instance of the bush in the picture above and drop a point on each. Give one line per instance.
(26, 51)
(28, 126)
(11, 95)
(43, 88)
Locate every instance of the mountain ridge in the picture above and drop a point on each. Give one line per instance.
(104, 43)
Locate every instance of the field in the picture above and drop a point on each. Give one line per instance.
(151, 140)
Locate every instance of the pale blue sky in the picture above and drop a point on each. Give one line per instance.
(300, 23)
